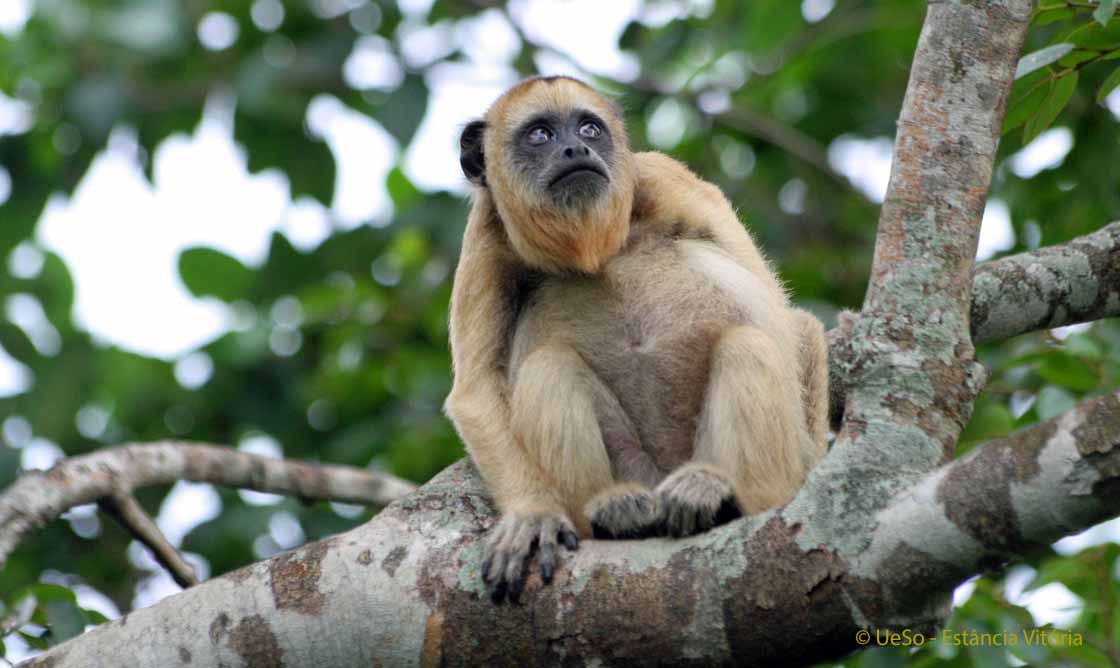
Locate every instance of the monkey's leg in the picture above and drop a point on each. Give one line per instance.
(572, 422)
(814, 383)
(555, 422)
(749, 436)
(628, 509)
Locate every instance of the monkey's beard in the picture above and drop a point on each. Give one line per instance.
(575, 228)
(579, 191)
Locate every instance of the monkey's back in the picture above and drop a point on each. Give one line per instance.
(646, 326)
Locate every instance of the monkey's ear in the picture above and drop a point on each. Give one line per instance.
(470, 152)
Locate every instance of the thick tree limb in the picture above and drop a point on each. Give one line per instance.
(909, 363)
(405, 588)
(37, 497)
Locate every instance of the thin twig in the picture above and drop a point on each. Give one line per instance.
(124, 508)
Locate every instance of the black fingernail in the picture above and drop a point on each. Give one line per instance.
(498, 592)
(570, 540)
(546, 572)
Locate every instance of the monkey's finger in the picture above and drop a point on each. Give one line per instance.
(515, 577)
(498, 591)
(678, 520)
(548, 561)
(569, 538)
(486, 562)
(496, 567)
(547, 554)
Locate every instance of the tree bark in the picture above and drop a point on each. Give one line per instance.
(405, 588)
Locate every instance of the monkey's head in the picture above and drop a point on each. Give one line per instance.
(553, 156)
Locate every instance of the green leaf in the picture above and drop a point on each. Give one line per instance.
(1041, 58)
(1061, 368)
(38, 642)
(1076, 57)
(883, 657)
(1082, 345)
(401, 190)
(207, 272)
(405, 108)
(15, 342)
(65, 620)
(1109, 84)
(1103, 13)
(989, 420)
(1057, 100)
(1095, 36)
(1053, 401)
(93, 616)
(45, 593)
(1027, 104)
(1053, 15)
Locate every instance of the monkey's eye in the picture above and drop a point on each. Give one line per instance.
(590, 130)
(539, 135)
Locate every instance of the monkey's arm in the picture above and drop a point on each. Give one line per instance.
(479, 404)
(670, 194)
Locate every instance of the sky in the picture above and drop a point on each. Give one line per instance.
(123, 256)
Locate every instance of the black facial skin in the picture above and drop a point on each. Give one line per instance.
(569, 155)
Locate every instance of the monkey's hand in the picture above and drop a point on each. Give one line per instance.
(511, 543)
(695, 498)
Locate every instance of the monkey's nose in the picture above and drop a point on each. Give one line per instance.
(571, 151)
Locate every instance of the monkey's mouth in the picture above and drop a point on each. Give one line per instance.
(579, 169)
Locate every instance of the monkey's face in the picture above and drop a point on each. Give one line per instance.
(552, 156)
(567, 155)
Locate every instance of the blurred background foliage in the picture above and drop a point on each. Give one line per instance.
(339, 352)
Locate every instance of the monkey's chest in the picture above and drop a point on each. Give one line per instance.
(646, 327)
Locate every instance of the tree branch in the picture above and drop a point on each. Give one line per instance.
(1024, 490)
(38, 497)
(1078, 281)
(910, 362)
(405, 588)
(128, 512)
(1074, 282)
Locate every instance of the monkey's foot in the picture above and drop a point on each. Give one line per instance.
(696, 498)
(512, 542)
(624, 511)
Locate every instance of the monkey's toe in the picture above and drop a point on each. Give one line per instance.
(695, 499)
(624, 512)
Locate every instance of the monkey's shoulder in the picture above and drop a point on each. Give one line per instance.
(646, 233)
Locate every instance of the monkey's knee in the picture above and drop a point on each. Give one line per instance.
(752, 425)
(813, 359)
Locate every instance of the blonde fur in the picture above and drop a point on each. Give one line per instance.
(655, 349)
(543, 236)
